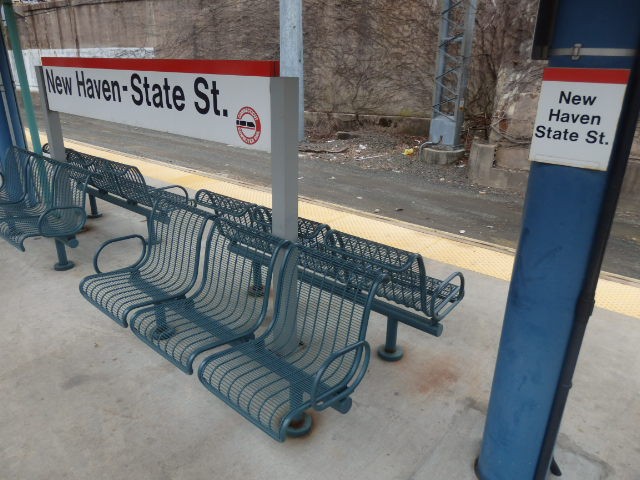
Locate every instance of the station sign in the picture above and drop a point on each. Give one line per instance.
(225, 101)
(578, 113)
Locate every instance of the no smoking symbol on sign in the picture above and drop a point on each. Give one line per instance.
(248, 125)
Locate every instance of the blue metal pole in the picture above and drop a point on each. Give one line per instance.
(559, 234)
(11, 131)
(14, 36)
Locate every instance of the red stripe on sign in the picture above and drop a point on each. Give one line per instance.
(252, 68)
(587, 75)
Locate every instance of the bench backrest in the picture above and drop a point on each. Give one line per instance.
(333, 298)
(13, 167)
(113, 177)
(103, 177)
(132, 184)
(310, 232)
(175, 237)
(227, 292)
(68, 186)
(406, 270)
(258, 216)
(230, 208)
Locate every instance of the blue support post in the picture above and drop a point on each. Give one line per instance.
(11, 132)
(566, 221)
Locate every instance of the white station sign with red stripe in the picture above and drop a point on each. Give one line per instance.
(225, 101)
(577, 116)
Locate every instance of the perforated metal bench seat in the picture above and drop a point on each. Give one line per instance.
(167, 268)
(316, 362)
(223, 309)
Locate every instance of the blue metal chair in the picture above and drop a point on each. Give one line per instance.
(167, 267)
(53, 205)
(313, 355)
(223, 309)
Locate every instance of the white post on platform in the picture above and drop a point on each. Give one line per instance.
(284, 191)
(292, 51)
(52, 121)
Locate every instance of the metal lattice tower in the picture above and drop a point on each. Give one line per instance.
(452, 70)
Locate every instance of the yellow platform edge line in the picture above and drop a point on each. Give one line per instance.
(497, 262)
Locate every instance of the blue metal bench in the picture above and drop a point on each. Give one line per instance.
(222, 310)
(167, 267)
(120, 184)
(51, 205)
(410, 297)
(273, 379)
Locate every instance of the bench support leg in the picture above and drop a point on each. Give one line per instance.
(162, 331)
(63, 262)
(300, 426)
(390, 351)
(257, 289)
(343, 406)
(93, 208)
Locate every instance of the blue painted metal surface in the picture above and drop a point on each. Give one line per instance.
(11, 131)
(272, 388)
(13, 175)
(560, 220)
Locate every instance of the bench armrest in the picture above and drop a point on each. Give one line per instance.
(73, 227)
(119, 239)
(344, 389)
(450, 301)
(152, 190)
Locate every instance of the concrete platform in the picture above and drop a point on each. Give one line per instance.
(83, 398)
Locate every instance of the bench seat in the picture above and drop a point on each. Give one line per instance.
(167, 268)
(315, 363)
(223, 309)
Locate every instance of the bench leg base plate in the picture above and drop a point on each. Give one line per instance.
(301, 427)
(388, 356)
(61, 267)
(94, 215)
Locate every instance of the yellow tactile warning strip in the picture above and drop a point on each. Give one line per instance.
(621, 297)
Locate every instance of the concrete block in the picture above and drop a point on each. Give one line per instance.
(483, 171)
(435, 156)
(513, 158)
(481, 158)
